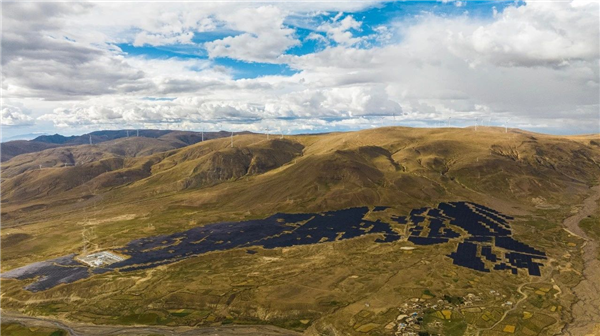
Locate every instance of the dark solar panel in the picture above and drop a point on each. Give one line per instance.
(486, 251)
(466, 255)
(484, 225)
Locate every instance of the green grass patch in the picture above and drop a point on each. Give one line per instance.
(428, 292)
(180, 312)
(147, 318)
(455, 300)
(453, 327)
(14, 329)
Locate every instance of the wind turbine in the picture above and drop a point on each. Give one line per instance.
(506, 125)
(231, 139)
(267, 129)
(91, 140)
(448, 122)
(127, 133)
(138, 133)
(281, 130)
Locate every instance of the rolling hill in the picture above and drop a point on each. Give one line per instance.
(175, 139)
(346, 169)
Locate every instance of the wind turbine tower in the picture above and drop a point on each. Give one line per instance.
(506, 125)
(231, 139)
(91, 140)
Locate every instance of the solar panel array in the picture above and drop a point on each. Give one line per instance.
(279, 230)
(50, 273)
(484, 237)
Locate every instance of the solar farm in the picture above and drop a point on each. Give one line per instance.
(484, 237)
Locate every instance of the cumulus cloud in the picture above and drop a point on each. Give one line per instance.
(173, 27)
(440, 69)
(340, 30)
(38, 61)
(538, 34)
(264, 39)
(15, 116)
(145, 38)
(335, 103)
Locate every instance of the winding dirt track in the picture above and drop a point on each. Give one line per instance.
(586, 311)
(80, 329)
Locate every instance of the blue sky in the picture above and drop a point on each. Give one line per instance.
(374, 16)
(303, 67)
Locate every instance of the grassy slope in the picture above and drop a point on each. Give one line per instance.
(13, 148)
(112, 143)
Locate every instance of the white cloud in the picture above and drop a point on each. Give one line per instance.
(454, 2)
(264, 36)
(538, 34)
(173, 27)
(440, 68)
(332, 103)
(145, 38)
(15, 116)
(38, 61)
(340, 30)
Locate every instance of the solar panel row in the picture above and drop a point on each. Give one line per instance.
(486, 228)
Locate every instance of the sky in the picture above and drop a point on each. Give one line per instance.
(299, 67)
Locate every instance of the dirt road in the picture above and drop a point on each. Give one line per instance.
(586, 311)
(81, 329)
